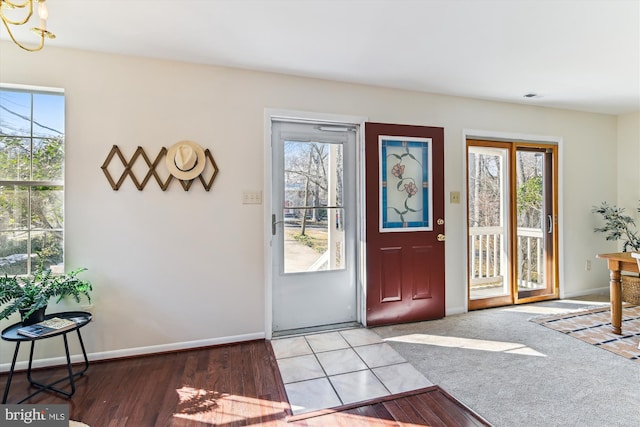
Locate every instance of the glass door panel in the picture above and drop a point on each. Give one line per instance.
(488, 222)
(313, 213)
(535, 222)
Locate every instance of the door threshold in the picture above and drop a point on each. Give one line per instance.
(317, 329)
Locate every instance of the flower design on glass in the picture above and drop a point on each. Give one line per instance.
(411, 189)
(405, 185)
(398, 170)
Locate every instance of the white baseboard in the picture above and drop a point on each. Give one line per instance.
(583, 292)
(455, 310)
(604, 290)
(137, 351)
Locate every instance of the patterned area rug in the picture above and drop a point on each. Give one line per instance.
(594, 327)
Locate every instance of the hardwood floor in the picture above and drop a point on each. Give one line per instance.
(230, 385)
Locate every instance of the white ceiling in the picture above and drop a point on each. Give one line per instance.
(575, 54)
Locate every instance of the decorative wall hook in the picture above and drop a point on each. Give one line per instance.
(180, 162)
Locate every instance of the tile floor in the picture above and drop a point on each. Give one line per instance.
(330, 369)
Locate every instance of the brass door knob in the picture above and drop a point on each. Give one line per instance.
(441, 238)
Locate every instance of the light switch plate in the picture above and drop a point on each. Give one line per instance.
(454, 197)
(252, 197)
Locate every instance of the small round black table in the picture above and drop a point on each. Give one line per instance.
(11, 334)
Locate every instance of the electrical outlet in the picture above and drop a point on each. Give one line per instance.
(252, 197)
(454, 197)
(587, 265)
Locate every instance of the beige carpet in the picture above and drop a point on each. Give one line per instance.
(594, 327)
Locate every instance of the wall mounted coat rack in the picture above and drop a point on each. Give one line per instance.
(210, 169)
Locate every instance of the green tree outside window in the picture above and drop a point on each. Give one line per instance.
(31, 180)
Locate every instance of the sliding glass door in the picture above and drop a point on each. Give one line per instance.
(512, 222)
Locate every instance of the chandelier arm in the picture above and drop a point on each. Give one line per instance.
(17, 6)
(30, 49)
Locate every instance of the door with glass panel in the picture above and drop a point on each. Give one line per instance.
(512, 222)
(313, 225)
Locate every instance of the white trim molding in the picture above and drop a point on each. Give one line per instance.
(136, 351)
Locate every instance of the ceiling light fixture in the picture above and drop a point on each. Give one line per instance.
(41, 30)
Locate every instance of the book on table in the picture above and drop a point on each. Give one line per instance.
(46, 327)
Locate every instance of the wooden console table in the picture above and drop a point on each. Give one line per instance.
(618, 262)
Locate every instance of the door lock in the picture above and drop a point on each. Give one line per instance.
(440, 221)
(441, 238)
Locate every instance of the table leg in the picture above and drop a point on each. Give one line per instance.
(33, 343)
(13, 365)
(69, 368)
(616, 301)
(84, 353)
(71, 375)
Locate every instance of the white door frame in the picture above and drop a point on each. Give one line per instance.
(293, 115)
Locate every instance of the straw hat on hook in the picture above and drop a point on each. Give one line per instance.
(185, 160)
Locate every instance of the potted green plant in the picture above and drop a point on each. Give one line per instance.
(618, 226)
(30, 294)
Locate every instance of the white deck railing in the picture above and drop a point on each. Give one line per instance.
(487, 262)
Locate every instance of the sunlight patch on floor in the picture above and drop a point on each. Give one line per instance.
(587, 301)
(467, 343)
(204, 405)
(538, 309)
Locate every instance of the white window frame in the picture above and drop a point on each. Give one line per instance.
(29, 183)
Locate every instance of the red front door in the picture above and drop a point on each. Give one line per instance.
(405, 223)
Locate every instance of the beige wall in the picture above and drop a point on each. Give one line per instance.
(177, 269)
(629, 164)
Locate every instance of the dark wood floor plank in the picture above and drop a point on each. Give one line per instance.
(170, 400)
(357, 418)
(430, 401)
(137, 410)
(217, 387)
(452, 405)
(432, 417)
(448, 411)
(233, 400)
(249, 387)
(151, 393)
(412, 416)
(396, 412)
(268, 383)
(383, 415)
(375, 417)
(228, 386)
(349, 418)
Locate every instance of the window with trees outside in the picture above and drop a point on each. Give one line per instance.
(31, 180)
